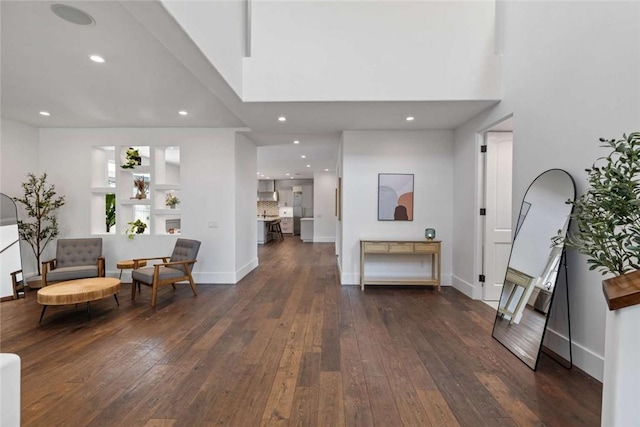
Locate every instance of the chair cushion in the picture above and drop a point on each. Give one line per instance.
(74, 252)
(145, 275)
(71, 273)
(185, 249)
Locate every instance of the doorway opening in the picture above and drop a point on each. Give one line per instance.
(496, 166)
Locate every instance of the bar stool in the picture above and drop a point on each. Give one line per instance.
(275, 230)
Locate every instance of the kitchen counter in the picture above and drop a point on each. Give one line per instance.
(263, 223)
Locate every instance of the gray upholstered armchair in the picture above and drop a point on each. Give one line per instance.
(177, 269)
(75, 259)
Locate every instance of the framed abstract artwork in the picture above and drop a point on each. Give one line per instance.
(395, 197)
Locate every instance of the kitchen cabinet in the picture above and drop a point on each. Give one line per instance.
(307, 196)
(287, 225)
(263, 233)
(285, 198)
(306, 229)
(266, 185)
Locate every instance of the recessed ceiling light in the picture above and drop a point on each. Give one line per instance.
(326, 170)
(290, 177)
(296, 142)
(287, 174)
(308, 166)
(182, 113)
(282, 119)
(73, 15)
(267, 177)
(44, 113)
(257, 173)
(303, 156)
(97, 58)
(410, 118)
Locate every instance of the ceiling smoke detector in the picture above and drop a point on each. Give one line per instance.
(73, 15)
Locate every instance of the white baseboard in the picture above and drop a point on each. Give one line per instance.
(246, 269)
(217, 278)
(350, 278)
(463, 286)
(324, 239)
(583, 358)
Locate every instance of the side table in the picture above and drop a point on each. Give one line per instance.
(127, 265)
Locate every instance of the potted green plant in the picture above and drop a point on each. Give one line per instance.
(110, 211)
(607, 216)
(135, 227)
(132, 159)
(40, 203)
(172, 201)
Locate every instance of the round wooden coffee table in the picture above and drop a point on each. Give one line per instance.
(78, 291)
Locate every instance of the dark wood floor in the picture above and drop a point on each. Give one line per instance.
(286, 346)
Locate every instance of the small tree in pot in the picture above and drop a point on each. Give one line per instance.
(607, 216)
(40, 202)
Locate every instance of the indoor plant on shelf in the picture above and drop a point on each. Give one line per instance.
(171, 201)
(132, 159)
(607, 216)
(135, 227)
(607, 219)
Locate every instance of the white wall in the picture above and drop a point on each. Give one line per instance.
(324, 194)
(344, 50)
(429, 156)
(18, 157)
(245, 206)
(569, 78)
(218, 28)
(207, 192)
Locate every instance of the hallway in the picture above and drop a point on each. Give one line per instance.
(286, 346)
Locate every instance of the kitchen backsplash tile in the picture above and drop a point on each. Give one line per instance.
(271, 208)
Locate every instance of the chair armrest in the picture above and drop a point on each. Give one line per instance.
(101, 266)
(135, 260)
(168, 264)
(50, 263)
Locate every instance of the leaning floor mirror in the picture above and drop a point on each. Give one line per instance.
(532, 273)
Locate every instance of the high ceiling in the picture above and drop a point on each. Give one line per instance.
(153, 70)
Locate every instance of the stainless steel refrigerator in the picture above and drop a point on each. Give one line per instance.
(297, 212)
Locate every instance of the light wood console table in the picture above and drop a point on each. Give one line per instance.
(401, 247)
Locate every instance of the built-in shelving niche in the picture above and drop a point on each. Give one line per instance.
(159, 171)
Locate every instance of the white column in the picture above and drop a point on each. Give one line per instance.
(9, 390)
(621, 385)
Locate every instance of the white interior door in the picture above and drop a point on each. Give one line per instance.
(498, 183)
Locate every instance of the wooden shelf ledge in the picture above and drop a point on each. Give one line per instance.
(622, 291)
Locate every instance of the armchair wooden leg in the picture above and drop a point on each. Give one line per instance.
(154, 293)
(193, 286)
